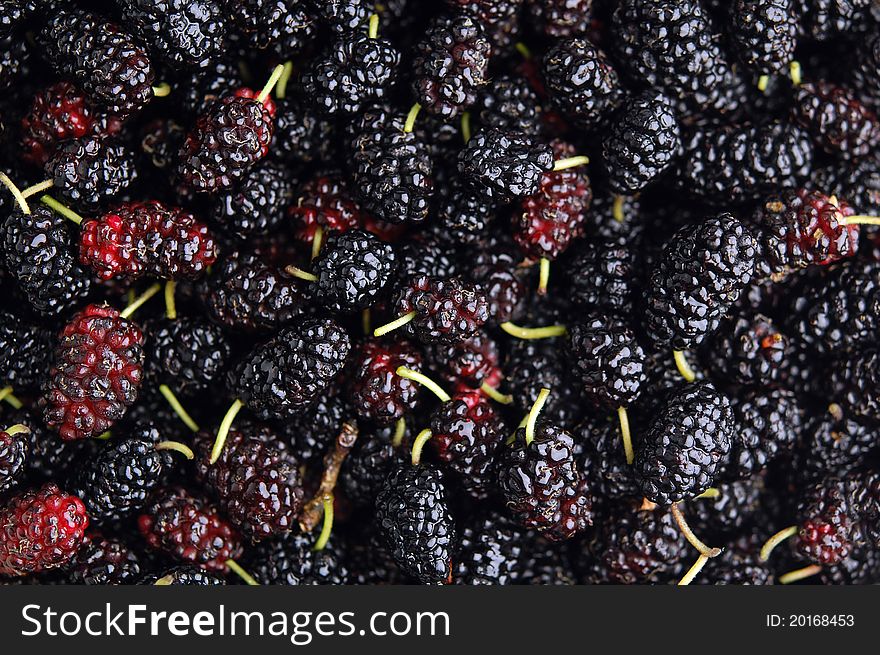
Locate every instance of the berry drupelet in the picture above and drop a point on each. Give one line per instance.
(246, 294)
(120, 479)
(489, 553)
(448, 310)
(825, 19)
(40, 529)
(257, 205)
(639, 546)
(104, 561)
(352, 270)
(600, 275)
(147, 238)
(108, 63)
(679, 455)
(541, 484)
(466, 434)
(834, 442)
(187, 34)
(91, 172)
(554, 214)
(581, 82)
(293, 560)
(470, 362)
(58, 113)
(324, 203)
(609, 362)
(504, 164)
(413, 516)
(356, 70)
(287, 373)
(702, 272)
(367, 465)
(14, 451)
(826, 532)
(670, 45)
(186, 528)
(37, 252)
(750, 350)
(378, 393)
(25, 352)
(450, 65)
(764, 34)
(844, 314)
(561, 18)
(96, 374)
(190, 355)
(838, 122)
(229, 138)
(603, 462)
(185, 574)
(741, 163)
(799, 227)
(256, 481)
(509, 103)
(642, 142)
(393, 172)
(341, 16)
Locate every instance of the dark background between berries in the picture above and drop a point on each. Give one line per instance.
(729, 241)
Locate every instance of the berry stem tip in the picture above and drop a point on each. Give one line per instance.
(424, 380)
(223, 432)
(419, 444)
(178, 408)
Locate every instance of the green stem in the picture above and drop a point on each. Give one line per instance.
(543, 276)
(19, 198)
(570, 162)
(398, 322)
(223, 432)
(235, 567)
(144, 297)
(532, 418)
(681, 363)
(299, 273)
(281, 89)
(6, 394)
(546, 332)
(775, 540)
(466, 126)
(617, 209)
(327, 526)
(411, 118)
(58, 208)
(184, 416)
(170, 306)
(176, 446)
(37, 188)
(423, 379)
(373, 30)
(625, 434)
(317, 241)
(800, 574)
(689, 534)
(693, 571)
(494, 394)
(162, 90)
(419, 444)
(399, 432)
(18, 428)
(273, 80)
(860, 219)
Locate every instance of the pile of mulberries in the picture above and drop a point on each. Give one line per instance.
(453, 292)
